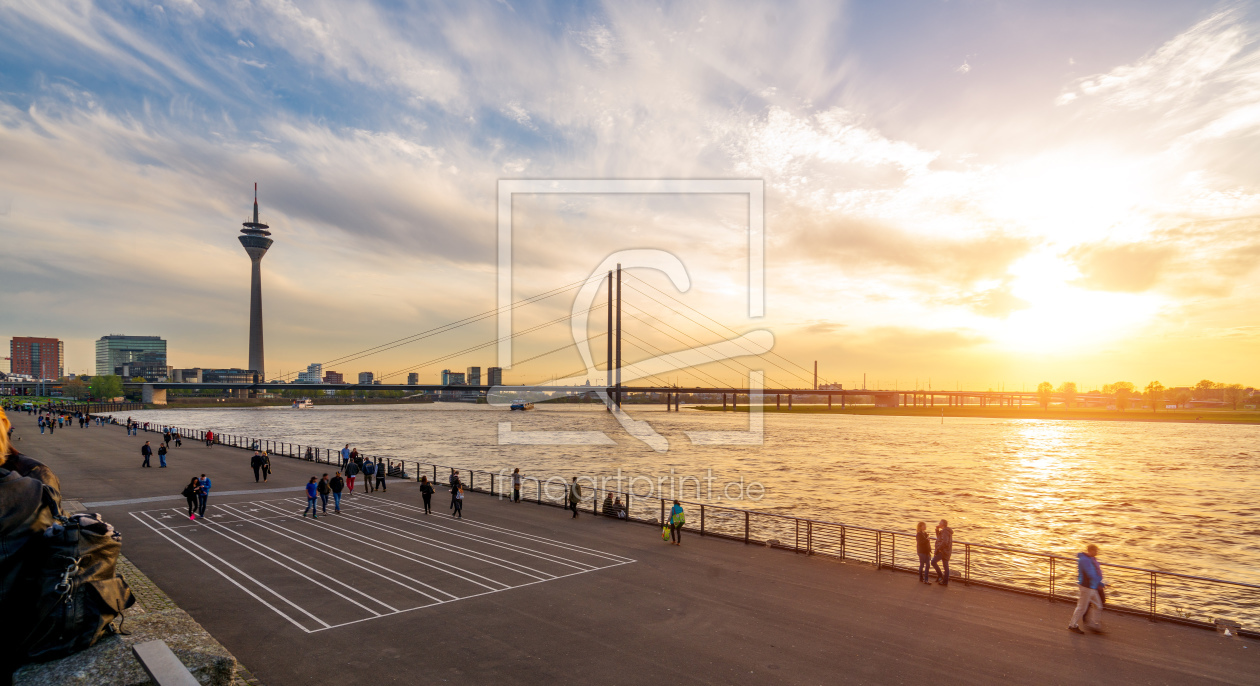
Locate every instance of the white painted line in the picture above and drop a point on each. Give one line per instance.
(336, 553)
(409, 555)
(554, 559)
(447, 547)
(541, 539)
(215, 528)
(221, 573)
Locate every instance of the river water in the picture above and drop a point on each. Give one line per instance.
(1169, 496)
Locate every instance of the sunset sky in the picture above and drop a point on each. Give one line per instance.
(965, 193)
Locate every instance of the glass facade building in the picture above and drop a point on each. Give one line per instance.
(141, 355)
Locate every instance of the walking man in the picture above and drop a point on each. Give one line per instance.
(162, 456)
(336, 484)
(516, 485)
(203, 496)
(944, 547)
(380, 474)
(1089, 579)
(575, 496)
(147, 452)
(369, 469)
(324, 489)
(256, 462)
(311, 491)
(345, 457)
(454, 487)
(166, 437)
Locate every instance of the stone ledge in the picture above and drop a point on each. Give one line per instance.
(154, 616)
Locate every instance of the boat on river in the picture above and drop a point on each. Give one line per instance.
(303, 404)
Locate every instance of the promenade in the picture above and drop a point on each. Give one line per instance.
(521, 593)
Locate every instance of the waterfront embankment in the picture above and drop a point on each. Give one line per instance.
(748, 614)
(1194, 416)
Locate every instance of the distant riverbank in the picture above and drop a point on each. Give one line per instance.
(1196, 416)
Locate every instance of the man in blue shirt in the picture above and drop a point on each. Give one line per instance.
(1090, 581)
(312, 490)
(203, 495)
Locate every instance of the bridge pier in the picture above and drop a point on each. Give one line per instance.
(723, 402)
(789, 402)
(777, 403)
(151, 395)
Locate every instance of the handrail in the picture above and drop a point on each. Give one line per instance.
(877, 548)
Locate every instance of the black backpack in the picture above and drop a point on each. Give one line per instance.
(77, 590)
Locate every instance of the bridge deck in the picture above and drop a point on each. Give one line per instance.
(520, 593)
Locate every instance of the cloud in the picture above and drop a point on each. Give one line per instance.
(997, 303)
(1126, 268)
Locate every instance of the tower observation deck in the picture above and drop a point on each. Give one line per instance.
(255, 240)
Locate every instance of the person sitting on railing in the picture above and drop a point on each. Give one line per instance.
(607, 508)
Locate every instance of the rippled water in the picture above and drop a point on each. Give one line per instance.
(1176, 497)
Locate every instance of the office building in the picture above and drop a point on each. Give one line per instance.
(450, 378)
(413, 379)
(312, 374)
(474, 376)
(334, 377)
(494, 376)
(365, 377)
(193, 375)
(232, 375)
(39, 358)
(130, 356)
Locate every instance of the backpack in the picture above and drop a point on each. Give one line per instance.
(78, 592)
(26, 510)
(369, 468)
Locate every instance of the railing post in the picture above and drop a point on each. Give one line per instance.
(966, 565)
(1050, 597)
(797, 548)
(745, 527)
(701, 519)
(662, 512)
(879, 554)
(843, 550)
(809, 538)
(1154, 587)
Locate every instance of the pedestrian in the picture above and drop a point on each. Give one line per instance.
(203, 496)
(311, 491)
(324, 490)
(336, 484)
(459, 502)
(162, 456)
(209, 439)
(426, 492)
(944, 547)
(1089, 580)
(455, 486)
(345, 456)
(380, 474)
(147, 452)
(190, 494)
(266, 466)
(41, 425)
(352, 470)
(369, 469)
(923, 544)
(310, 456)
(516, 485)
(178, 441)
(166, 437)
(676, 520)
(256, 463)
(574, 496)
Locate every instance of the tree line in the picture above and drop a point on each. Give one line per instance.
(1154, 394)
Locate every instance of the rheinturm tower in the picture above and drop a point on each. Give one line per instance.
(256, 242)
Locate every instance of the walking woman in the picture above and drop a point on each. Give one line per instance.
(191, 491)
(266, 466)
(312, 492)
(426, 492)
(352, 470)
(923, 545)
(459, 503)
(676, 520)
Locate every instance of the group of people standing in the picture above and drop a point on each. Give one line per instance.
(934, 559)
(355, 464)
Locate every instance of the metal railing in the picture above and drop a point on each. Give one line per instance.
(1158, 595)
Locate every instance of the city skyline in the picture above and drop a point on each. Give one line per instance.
(1075, 205)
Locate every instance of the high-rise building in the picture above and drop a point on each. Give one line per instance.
(474, 376)
(413, 379)
(131, 356)
(450, 378)
(41, 358)
(256, 243)
(494, 376)
(334, 377)
(366, 377)
(312, 374)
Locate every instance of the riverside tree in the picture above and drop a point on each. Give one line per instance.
(1045, 391)
(1068, 389)
(1154, 394)
(106, 386)
(1121, 391)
